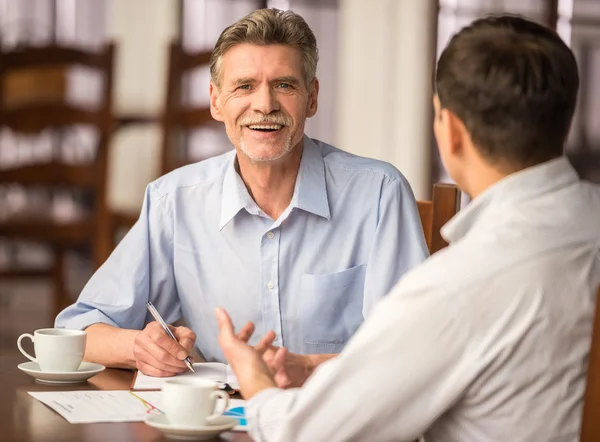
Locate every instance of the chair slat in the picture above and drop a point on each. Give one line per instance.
(434, 214)
(194, 60)
(51, 175)
(41, 230)
(446, 202)
(55, 55)
(189, 118)
(34, 118)
(12, 274)
(590, 422)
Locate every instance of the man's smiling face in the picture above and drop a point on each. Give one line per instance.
(263, 99)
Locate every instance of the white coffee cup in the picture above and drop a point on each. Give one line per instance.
(57, 350)
(190, 402)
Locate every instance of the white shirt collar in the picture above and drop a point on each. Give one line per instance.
(524, 184)
(310, 191)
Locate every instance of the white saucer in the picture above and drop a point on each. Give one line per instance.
(85, 371)
(216, 427)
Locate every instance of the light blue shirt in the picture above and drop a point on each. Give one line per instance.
(350, 232)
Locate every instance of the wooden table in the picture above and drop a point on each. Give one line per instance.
(24, 419)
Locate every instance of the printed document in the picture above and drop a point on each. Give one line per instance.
(94, 406)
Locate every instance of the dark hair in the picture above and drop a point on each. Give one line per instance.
(514, 84)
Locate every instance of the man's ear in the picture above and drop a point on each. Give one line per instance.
(215, 104)
(456, 131)
(313, 98)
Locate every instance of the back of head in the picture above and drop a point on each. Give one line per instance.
(268, 27)
(513, 83)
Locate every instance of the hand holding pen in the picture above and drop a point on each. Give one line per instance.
(167, 330)
(161, 350)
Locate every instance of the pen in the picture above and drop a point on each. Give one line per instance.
(162, 322)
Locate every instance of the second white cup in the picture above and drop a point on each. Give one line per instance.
(190, 402)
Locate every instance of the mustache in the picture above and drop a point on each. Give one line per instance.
(278, 118)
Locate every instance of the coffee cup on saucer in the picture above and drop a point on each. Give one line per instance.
(56, 350)
(191, 402)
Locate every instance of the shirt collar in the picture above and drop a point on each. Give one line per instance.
(235, 196)
(527, 183)
(310, 191)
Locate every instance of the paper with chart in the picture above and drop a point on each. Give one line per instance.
(85, 407)
(215, 371)
(95, 406)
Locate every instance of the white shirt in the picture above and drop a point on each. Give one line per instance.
(486, 341)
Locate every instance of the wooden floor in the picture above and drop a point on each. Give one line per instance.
(24, 307)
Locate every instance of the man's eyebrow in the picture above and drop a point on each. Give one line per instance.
(243, 80)
(284, 79)
(287, 79)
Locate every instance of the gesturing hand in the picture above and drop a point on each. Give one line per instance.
(246, 361)
(156, 354)
(290, 369)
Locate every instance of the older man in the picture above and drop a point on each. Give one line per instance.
(487, 340)
(289, 232)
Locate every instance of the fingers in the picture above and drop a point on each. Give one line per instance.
(185, 336)
(279, 358)
(149, 370)
(275, 358)
(149, 365)
(156, 352)
(269, 354)
(265, 343)
(166, 348)
(226, 330)
(282, 377)
(246, 332)
(224, 321)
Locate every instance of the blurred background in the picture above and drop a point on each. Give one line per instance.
(83, 132)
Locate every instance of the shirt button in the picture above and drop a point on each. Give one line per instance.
(270, 285)
(270, 235)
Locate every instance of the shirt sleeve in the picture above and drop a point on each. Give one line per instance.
(407, 365)
(399, 242)
(139, 269)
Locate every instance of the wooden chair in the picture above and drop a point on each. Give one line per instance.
(437, 212)
(176, 120)
(58, 116)
(590, 423)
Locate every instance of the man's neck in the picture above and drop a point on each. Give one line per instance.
(481, 182)
(271, 184)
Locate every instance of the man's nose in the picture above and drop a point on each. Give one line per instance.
(265, 101)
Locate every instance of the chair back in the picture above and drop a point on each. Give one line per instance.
(590, 422)
(54, 115)
(34, 116)
(178, 118)
(434, 214)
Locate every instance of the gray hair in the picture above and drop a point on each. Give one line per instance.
(268, 27)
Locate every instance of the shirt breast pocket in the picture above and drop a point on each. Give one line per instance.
(331, 308)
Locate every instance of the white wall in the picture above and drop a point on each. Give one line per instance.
(387, 51)
(142, 31)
